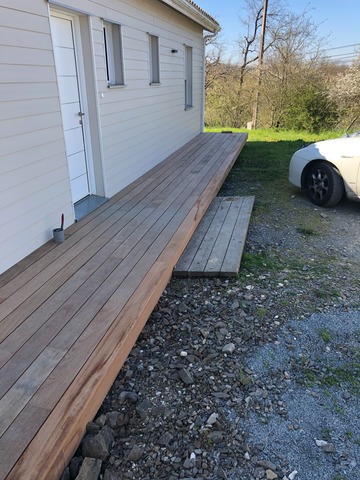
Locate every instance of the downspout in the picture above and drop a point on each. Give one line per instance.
(205, 38)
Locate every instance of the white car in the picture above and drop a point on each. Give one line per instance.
(328, 169)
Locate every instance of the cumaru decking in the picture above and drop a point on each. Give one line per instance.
(216, 247)
(70, 313)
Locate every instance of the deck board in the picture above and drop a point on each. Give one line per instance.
(217, 244)
(73, 312)
(119, 218)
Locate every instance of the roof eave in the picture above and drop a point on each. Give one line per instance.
(191, 10)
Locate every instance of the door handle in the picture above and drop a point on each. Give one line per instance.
(81, 114)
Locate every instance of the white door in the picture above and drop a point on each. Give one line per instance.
(62, 29)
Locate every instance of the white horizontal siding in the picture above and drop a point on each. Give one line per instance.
(24, 125)
(142, 123)
(15, 161)
(38, 186)
(139, 124)
(10, 73)
(28, 108)
(34, 185)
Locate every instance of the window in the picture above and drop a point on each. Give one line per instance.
(188, 77)
(154, 59)
(113, 54)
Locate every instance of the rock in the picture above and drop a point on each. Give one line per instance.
(229, 348)
(320, 443)
(90, 469)
(270, 475)
(122, 419)
(106, 433)
(111, 419)
(221, 325)
(265, 464)
(135, 453)
(326, 446)
(95, 447)
(108, 475)
(190, 462)
(235, 305)
(101, 420)
(126, 396)
(165, 439)
(216, 437)
(212, 419)
(144, 409)
(92, 428)
(186, 376)
(74, 466)
(292, 475)
(329, 448)
(221, 474)
(182, 307)
(66, 474)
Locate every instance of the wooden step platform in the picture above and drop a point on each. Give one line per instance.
(70, 313)
(216, 247)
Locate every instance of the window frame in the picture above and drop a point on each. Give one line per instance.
(154, 59)
(114, 54)
(188, 76)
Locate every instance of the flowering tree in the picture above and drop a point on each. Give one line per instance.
(344, 89)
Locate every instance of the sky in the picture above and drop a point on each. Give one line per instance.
(340, 19)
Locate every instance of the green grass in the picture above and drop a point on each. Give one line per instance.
(265, 158)
(273, 135)
(261, 312)
(325, 335)
(255, 262)
(306, 231)
(346, 375)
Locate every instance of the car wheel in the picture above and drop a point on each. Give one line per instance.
(324, 185)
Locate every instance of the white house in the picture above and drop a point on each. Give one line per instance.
(93, 94)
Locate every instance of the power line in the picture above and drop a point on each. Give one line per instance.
(343, 55)
(344, 46)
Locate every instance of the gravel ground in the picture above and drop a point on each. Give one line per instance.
(256, 377)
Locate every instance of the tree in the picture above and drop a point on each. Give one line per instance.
(293, 73)
(292, 60)
(344, 89)
(213, 63)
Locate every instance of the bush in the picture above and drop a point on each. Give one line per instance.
(311, 110)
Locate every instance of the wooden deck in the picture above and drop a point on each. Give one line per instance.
(70, 313)
(216, 247)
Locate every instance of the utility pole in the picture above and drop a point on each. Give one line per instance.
(260, 64)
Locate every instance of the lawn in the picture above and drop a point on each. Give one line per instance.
(265, 159)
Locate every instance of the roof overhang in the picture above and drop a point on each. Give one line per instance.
(195, 13)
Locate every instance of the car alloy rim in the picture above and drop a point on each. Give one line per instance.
(319, 184)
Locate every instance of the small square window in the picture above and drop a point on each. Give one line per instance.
(113, 54)
(154, 59)
(188, 77)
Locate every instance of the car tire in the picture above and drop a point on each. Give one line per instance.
(324, 185)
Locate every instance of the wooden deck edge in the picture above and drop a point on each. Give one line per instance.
(55, 443)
